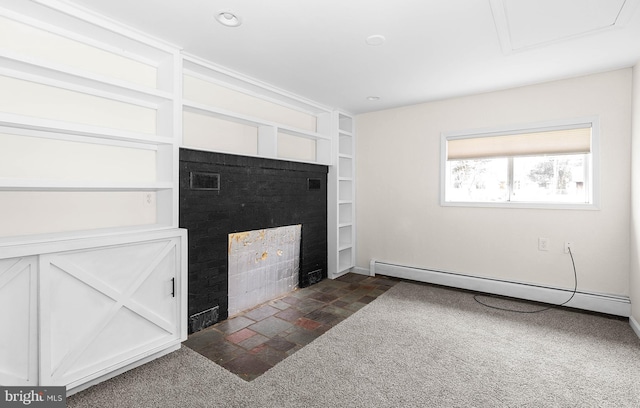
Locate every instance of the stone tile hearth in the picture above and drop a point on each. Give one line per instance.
(250, 343)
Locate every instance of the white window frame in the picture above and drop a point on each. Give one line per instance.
(594, 169)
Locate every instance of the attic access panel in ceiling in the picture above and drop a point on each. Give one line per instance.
(526, 24)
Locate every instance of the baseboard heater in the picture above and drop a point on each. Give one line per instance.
(596, 302)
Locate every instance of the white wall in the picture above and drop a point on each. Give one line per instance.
(401, 221)
(634, 281)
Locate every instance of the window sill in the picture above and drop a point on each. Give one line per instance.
(522, 205)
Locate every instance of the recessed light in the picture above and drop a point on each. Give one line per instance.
(373, 98)
(228, 18)
(375, 40)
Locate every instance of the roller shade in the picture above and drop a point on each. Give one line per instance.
(565, 141)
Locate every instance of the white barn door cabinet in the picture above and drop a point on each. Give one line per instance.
(19, 321)
(74, 313)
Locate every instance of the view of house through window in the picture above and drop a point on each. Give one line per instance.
(541, 166)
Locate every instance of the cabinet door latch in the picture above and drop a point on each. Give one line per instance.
(173, 287)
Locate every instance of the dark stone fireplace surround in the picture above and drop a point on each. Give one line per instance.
(255, 193)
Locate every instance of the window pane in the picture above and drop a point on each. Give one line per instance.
(558, 179)
(482, 180)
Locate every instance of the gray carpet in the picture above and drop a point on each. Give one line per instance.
(414, 346)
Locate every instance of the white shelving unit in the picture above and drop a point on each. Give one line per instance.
(267, 131)
(111, 97)
(268, 128)
(159, 64)
(341, 194)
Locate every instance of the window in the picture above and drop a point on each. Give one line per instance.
(548, 165)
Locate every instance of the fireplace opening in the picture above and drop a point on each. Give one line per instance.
(263, 265)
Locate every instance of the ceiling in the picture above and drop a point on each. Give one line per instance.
(433, 49)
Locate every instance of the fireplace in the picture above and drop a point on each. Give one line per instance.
(223, 194)
(263, 265)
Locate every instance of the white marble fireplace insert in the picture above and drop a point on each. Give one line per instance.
(263, 265)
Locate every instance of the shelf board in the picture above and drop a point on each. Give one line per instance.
(64, 185)
(345, 122)
(198, 68)
(15, 64)
(17, 242)
(56, 126)
(203, 109)
(78, 88)
(302, 133)
(89, 28)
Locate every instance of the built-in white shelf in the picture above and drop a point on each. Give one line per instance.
(345, 213)
(341, 194)
(63, 185)
(334, 134)
(203, 109)
(89, 28)
(30, 68)
(345, 144)
(231, 98)
(59, 127)
(345, 189)
(345, 260)
(196, 67)
(346, 170)
(345, 124)
(301, 133)
(138, 75)
(123, 97)
(79, 77)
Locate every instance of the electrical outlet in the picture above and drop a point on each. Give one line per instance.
(568, 245)
(148, 200)
(543, 244)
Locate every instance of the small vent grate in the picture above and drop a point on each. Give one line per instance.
(315, 276)
(204, 319)
(204, 181)
(314, 184)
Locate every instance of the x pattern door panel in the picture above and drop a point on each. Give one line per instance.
(18, 321)
(101, 307)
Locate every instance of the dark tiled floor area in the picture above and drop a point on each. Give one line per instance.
(252, 342)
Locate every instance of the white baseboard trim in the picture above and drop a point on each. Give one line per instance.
(596, 302)
(338, 274)
(361, 271)
(355, 269)
(634, 325)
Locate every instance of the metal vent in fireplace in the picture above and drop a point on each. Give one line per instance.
(204, 181)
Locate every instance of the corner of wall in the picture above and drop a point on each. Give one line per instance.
(362, 271)
(635, 326)
(634, 273)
